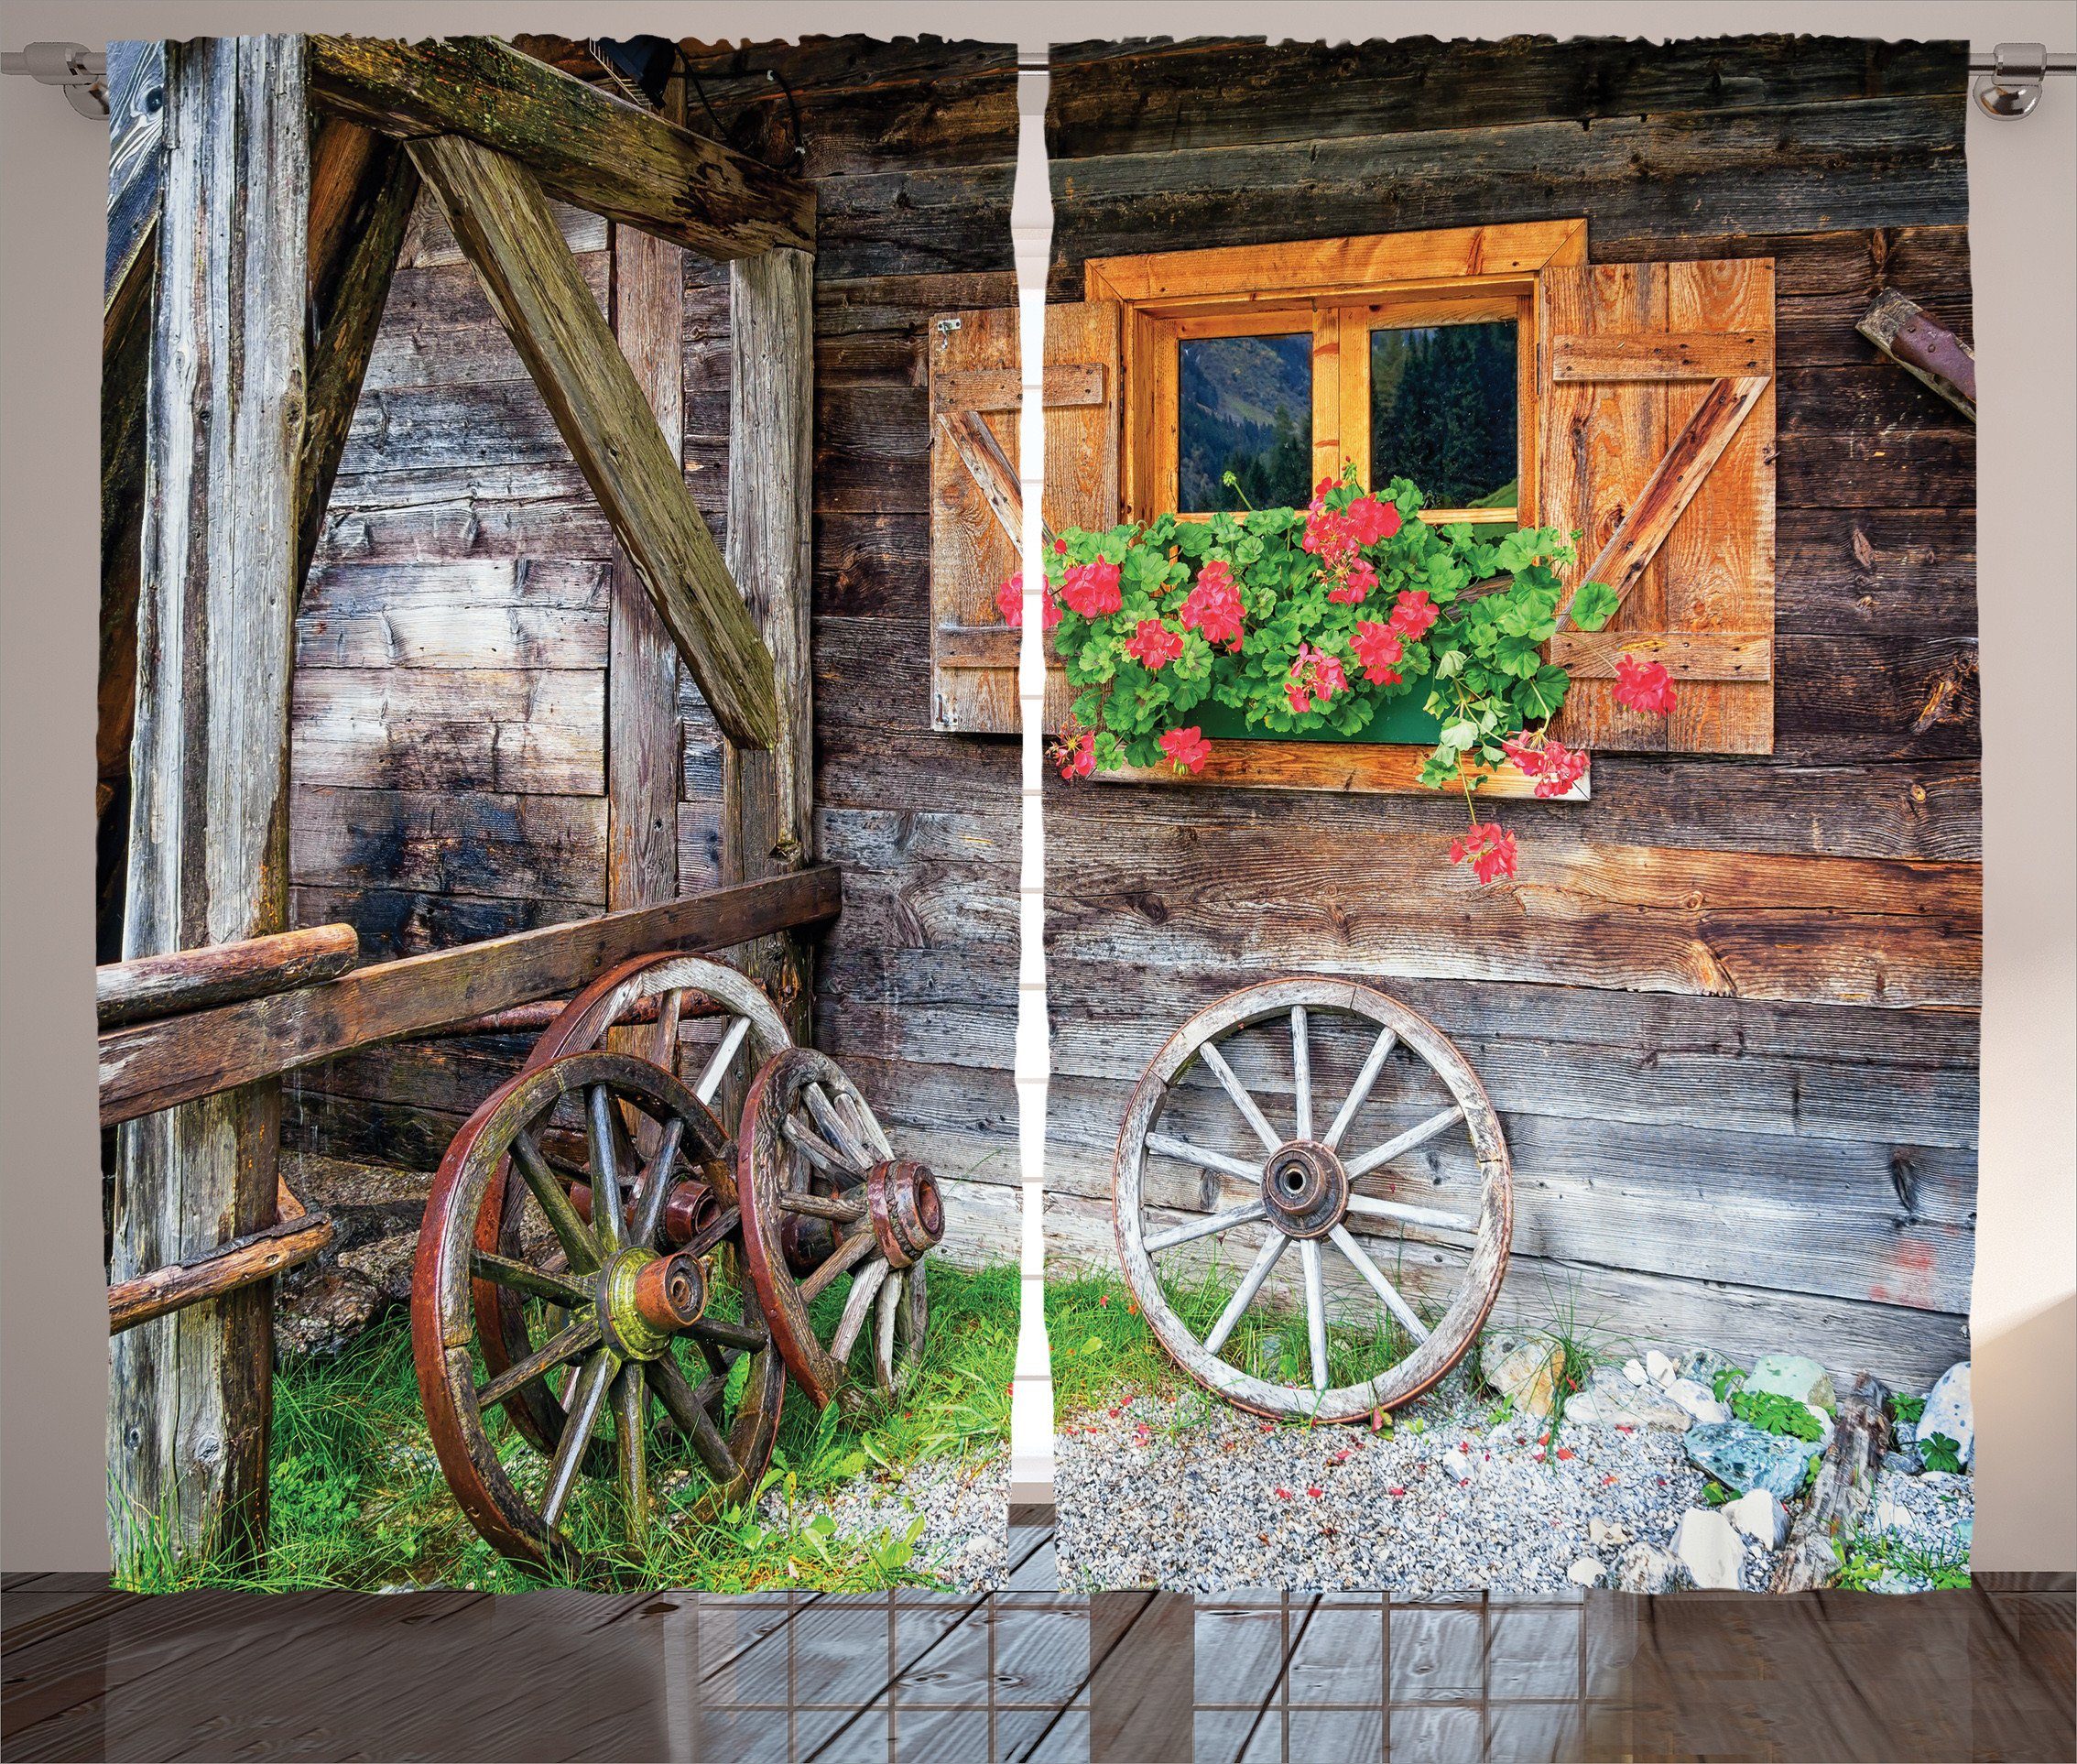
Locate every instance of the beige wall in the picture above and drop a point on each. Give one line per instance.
(52, 1375)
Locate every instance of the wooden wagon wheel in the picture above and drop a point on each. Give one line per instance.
(601, 1300)
(682, 986)
(824, 1196)
(1302, 1187)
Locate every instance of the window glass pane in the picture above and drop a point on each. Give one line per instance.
(1246, 408)
(1443, 400)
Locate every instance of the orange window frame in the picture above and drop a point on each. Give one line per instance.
(1339, 290)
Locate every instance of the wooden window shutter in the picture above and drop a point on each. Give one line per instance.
(1658, 445)
(976, 508)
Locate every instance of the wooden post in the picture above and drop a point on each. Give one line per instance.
(224, 429)
(767, 799)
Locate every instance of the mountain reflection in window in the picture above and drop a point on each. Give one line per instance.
(1245, 408)
(1443, 412)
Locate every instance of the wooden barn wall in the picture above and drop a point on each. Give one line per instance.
(1728, 1009)
(450, 688)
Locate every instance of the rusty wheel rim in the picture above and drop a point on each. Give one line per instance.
(620, 1320)
(824, 1199)
(685, 987)
(1300, 1190)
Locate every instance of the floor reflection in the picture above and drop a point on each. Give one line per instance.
(1032, 1674)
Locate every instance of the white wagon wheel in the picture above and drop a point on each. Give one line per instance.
(1301, 1188)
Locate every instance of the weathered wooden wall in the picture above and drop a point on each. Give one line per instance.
(1728, 1008)
(452, 687)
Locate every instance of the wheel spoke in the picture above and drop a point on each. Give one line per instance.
(571, 1230)
(1301, 1071)
(835, 1127)
(557, 1289)
(820, 1152)
(688, 1414)
(822, 1206)
(853, 1248)
(655, 1183)
(717, 1063)
(891, 1295)
(564, 1345)
(1207, 1227)
(1359, 1092)
(721, 1228)
(727, 1333)
(585, 1401)
(1405, 1142)
(1244, 1295)
(1315, 1312)
(630, 1415)
(856, 1303)
(1238, 1091)
(862, 1120)
(1408, 1318)
(1238, 1167)
(607, 1218)
(1404, 1214)
(663, 1045)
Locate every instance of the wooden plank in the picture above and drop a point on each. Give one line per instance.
(990, 469)
(521, 732)
(1686, 655)
(1002, 388)
(220, 973)
(451, 842)
(155, 1066)
(497, 212)
(1327, 266)
(488, 613)
(767, 819)
(584, 145)
(1671, 355)
(291, 1240)
(1365, 767)
(642, 738)
(210, 764)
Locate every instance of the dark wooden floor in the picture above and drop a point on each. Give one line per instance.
(1031, 1673)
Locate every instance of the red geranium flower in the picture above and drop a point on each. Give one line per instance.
(1187, 749)
(1009, 603)
(1375, 647)
(1074, 752)
(1357, 584)
(1212, 607)
(1490, 847)
(1153, 645)
(1643, 685)
(1413, 613)
(1370, 520)
(1555, 767)
(1315, 676)
(1092, 589)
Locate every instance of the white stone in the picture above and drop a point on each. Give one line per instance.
(1710, 1550)
(1634, 1371)
(1603, 1532)
(1645, 1568)
(1890, 1517)
(1659, 1369)
(1948, 1412)
(1585, 1572)
(1697, 1400)
(1760, 1515)
(1456, 1465)
(1583, 1408)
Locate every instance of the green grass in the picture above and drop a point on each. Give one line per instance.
(1869, 1558)
(358, 1501)
(1103, 1348)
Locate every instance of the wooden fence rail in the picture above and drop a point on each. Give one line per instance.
(222, 974)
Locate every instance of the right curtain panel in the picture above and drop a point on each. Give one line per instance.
(1513, 886)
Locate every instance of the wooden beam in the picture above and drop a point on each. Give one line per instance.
(996, 477)
(221, 973)
(1922, 346)
(502, 222)
(293, 1238)
(210, 765)
(358, 216)
(767, 799)
(642, 729)
(157, 1065)
(583, 145)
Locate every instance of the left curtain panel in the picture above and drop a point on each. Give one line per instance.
(558, 972)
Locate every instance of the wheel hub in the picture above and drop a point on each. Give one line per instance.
(645, 1298)
(906, 1212)
(1305, 1189)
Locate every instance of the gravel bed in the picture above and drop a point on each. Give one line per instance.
(1199, 1496)
(964, 1504)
